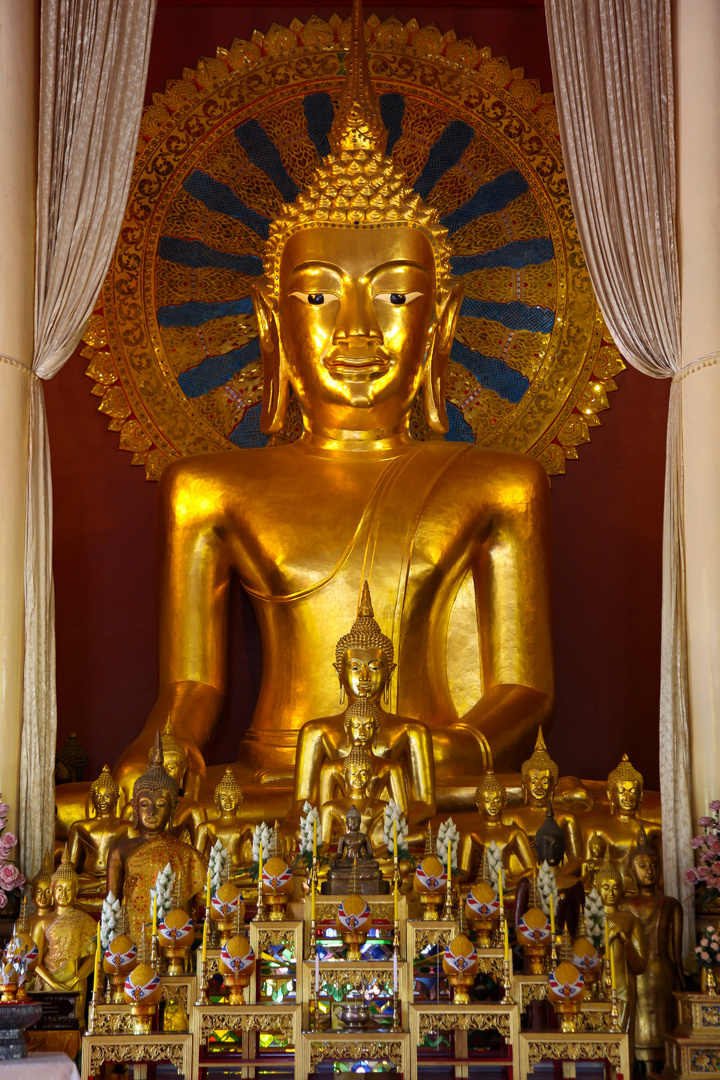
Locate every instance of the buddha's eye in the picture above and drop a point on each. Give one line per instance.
(316, 298)
(397, 299)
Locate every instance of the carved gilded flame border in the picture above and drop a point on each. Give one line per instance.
(172, 346)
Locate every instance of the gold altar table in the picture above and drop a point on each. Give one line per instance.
(460, 1019)
(262, 935)
(595, 1015)
(161, 1046)
(392, 1046)
(250, 1021)
(536, 1046)
(352, 973)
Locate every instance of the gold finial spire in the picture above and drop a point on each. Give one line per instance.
(358, 124)
(24, 920)
(354, 887)
(365, 607)
(430, 842)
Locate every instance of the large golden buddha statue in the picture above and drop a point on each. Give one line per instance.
(356, 317)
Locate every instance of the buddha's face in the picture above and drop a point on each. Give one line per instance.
(358, 778)
(550, 849)
(104, 800)
(539, 785)
(356, 311)
(42, 894)
(490, 804)
(227, 802)
(364, 672)
(175, 765)
(625, 796)
(154, 811)
(353, 822)
(362, 730)
(610, 892)
(646, 870)
(64, 892)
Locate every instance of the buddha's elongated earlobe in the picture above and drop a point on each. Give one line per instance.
(276, 387)
(342, 693)
(434, 376)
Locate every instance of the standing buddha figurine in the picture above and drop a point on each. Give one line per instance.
(233, 834)
(42, 898)
(627, 942)
(539, 779)
(511, 840)
(616, 829)
(133, 864)
(661, 918)
(90, 840)
(66, 942)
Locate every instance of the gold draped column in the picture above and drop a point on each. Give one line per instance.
(697, 69)
(19, 26)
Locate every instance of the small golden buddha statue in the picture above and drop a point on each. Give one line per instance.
(364, 662)
(42, 898)
(512, 841)
(359, 773)
(189, 814)
(661, 918)
(90, 840)
(66, 942)
(356, 314)
(134, 863)
(226, 827)
(539, 778)
(617, 828)
(627, 942)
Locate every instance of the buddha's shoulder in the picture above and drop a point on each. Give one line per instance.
(491, 464)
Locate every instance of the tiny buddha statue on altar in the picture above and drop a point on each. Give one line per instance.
(354, 859)
(550, 848)
(66, 941)
(627, 941)
(42, 898)
(616, 829)
(226, 827)
(359, 773)
(133, 864)
(540, 775)
(511, 840)
(189, 813)
(661, 918)
(364, 662)
(90, 840)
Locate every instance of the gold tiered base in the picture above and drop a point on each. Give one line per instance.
(310, 1026)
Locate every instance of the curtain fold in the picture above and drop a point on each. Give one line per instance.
(93, 68)
(613, 81)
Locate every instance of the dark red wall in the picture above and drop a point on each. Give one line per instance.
(607, 509)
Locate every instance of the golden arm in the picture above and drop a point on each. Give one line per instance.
(512, 575)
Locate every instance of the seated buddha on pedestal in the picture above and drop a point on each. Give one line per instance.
(512, 841)
(90, 840)
(66, 941)
(616, 827)
(353, 862)
(539, 779)
(364, 662)
(362, 780)
(133, 864)
(227, 827)
(356, 315)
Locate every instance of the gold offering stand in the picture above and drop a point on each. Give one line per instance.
(536, 1046)
(693, 1049)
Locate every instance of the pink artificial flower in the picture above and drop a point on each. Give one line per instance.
(705, 822)
(696, 842)
(9, 876)
(3, 899)
(704, 942)
(8, 841)
(4, 809)
(701, 873)
(711, 929)
(691, 876)
(715, 804)
(704, 956)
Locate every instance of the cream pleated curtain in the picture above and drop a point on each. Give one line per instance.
(93, 67)
(612, 68)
